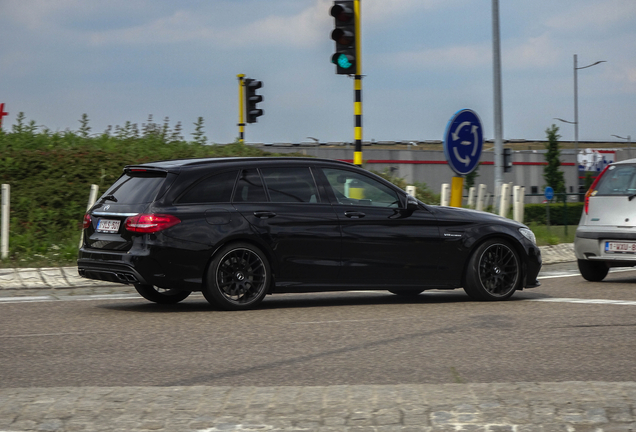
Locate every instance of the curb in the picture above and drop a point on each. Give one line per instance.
(67, 277)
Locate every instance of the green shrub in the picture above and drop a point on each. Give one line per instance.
(537, 213)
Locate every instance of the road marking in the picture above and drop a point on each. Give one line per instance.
(39, 299)
(44, 335)
(585, 301)
(571, 273)
(26, 299)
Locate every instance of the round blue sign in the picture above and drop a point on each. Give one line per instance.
(463, 141)
(549, 193)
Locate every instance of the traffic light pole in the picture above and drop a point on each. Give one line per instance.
(357, 89)
(241, 123)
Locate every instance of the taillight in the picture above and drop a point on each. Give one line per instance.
(87, 221)
(592, 188)
(150, 223)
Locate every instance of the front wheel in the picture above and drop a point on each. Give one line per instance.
(493, 272)
(593, 271)
(160, 295)
(238, 277)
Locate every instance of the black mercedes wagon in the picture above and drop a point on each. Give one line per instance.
(240, 228)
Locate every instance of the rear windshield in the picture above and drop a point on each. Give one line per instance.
(618, 180)
(135, 189)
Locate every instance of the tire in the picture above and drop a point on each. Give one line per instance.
(493, 272)
(160, 295)
(238, 277)
(406, 292)
(593, 271)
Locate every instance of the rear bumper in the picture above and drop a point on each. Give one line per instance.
(118, 267)
(592, 248)
(121, 274)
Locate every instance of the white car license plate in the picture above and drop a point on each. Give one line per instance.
(620, 247)
(108, 226)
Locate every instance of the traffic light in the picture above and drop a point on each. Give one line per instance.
(344, 35)
(251, 99)
(507, 160)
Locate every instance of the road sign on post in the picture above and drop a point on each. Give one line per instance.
(463, 141)
(549, 194)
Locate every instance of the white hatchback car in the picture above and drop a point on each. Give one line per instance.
(606, 235)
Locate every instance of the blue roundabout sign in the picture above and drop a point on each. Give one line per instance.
(463, 141)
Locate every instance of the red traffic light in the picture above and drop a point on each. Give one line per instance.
(342, 13)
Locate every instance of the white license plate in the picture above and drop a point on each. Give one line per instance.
(620, 247)
(108, 226)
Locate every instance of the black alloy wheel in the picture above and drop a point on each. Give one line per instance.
(494, 271)
(593, 271)
(161, 295)
(238, 277)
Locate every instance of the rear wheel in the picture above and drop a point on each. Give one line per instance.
(161, 295)
(593, 271)
(238, 277)
(494, 271)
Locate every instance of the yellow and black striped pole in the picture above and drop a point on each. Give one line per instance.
(241, 123)
(357, 89)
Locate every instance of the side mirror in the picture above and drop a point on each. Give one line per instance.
(411, 203)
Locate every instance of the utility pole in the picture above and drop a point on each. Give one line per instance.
(496, 55)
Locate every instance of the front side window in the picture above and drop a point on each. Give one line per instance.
(290, 185)
(356, 189)
(618, 180)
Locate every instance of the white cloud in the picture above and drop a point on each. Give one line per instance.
(534, 52)
(594, 15)
(454, 57)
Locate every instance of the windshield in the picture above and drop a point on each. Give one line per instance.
(618, 180)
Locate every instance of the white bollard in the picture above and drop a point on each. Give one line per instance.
(445, 196)
(516, 202)
(481, 197)
(471, 197)
(504, 203)
(4, 221)
(92, 197)
(522, 207)
(411, 190)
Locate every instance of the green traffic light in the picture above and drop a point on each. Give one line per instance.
(343, 61)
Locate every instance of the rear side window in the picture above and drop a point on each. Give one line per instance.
(135, 188)
(249, 187)
(618, 180)
(290, 185)
(212, 189)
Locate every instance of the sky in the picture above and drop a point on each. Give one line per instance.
(422, 61)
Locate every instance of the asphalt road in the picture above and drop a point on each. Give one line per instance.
(566, 330)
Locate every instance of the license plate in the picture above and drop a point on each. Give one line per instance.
(108, 226)
(620, 247)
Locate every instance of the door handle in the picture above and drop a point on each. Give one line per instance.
(354, 214)
(264, 214)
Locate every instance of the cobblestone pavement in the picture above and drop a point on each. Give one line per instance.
(515, 407)
(488, 407)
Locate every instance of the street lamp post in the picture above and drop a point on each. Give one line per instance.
(576, 117)
(576, 114)
(629, 144)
